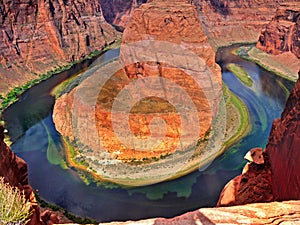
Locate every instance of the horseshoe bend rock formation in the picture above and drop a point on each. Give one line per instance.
(177, 46)
(37, 36)
(278, 178)
(282, 34)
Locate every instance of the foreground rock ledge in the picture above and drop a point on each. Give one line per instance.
(259, 213)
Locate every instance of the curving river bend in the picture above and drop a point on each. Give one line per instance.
(30, 125)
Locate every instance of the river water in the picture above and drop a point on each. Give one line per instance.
(30, 125)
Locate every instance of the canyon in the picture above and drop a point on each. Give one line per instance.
(171, 25)
(40, 36)
(44, 42)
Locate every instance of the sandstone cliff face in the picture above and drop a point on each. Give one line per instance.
(282, 34)
(37, 36)
(228, 22)
(14, 170)
(118, 12)
(283, 149)
(278, 178)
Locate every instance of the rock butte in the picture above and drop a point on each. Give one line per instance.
(224, 22)
(175, 24)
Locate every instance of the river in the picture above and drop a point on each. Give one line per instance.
(30, 125)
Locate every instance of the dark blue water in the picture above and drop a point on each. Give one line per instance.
(30, 124)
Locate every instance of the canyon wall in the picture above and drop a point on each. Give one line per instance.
(14, 170)
(278, 178)
(118, 12)
(228, 22)
(37, 36)
(282, 34)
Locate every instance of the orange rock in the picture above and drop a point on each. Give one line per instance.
(46, 35)
(282, 33)
(255, 155)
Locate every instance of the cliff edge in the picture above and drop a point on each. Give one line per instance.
(278, 178)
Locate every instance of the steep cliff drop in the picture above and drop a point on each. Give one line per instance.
(118, 12)
(38, 36)
(282, 34)
(228, 22)
(14, 170)
(278, 178)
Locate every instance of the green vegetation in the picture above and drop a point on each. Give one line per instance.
(231, 98)
(14, 94)
(67, 214)
(240, 73)
(14, 208)
(265, 61)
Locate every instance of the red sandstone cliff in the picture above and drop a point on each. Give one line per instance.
(118, 12)
(37, 36)
(278, 178)
(14, 170)
(282, 34)
(228, 22)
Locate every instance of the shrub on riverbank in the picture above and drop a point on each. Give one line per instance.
(14, 208)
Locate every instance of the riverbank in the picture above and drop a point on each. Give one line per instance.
(13, 95)
(240, 73)
(237, 126)
(285, 65)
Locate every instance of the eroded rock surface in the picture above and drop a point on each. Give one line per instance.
(180, 66)
(283, 149)
(278, 178)
(282, 34)
(118, 12)
(227, 22)
(259, 213)
(14, 170)
(37, 36)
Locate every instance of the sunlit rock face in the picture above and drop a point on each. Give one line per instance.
(278, 177)
(228, 22)
(153, 108)
(283, 149)
(14, 170)
(262, 213)
(282, 34)
(37, 36)
(118, 12)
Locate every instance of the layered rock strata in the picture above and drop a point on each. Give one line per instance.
(278, 177)
(37, 36)
(118, 12)
(282, 34)
(14, 170)
(228, 22)
(168, 70)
